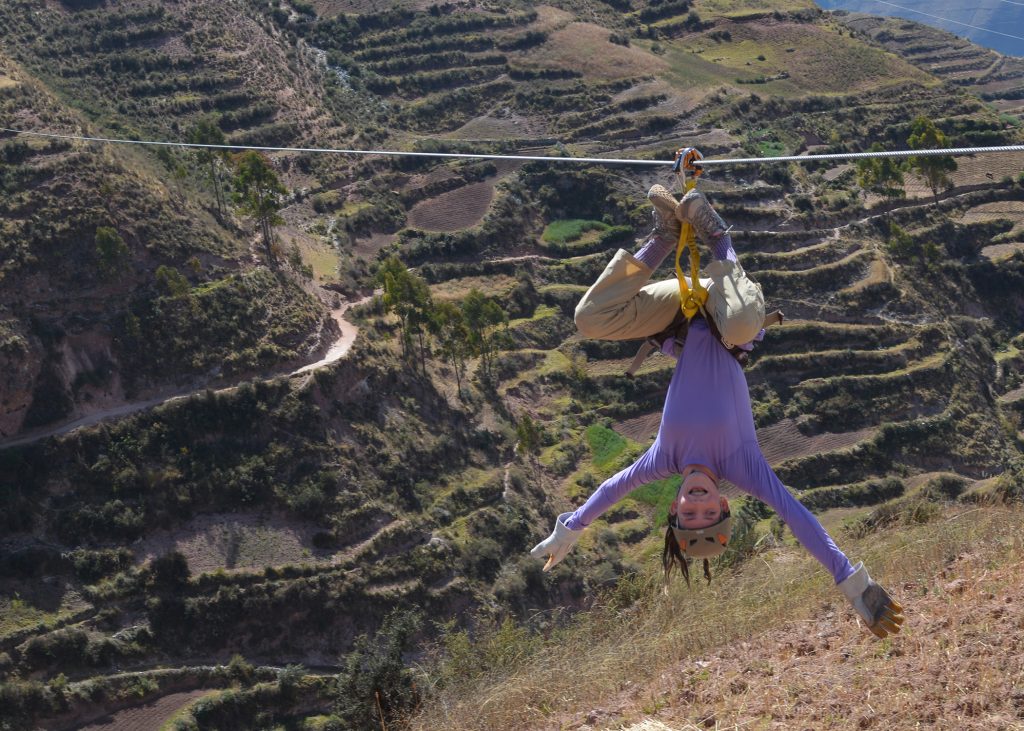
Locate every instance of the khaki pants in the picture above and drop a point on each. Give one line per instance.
(624, 305)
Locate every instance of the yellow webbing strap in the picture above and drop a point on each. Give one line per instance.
(691, 300)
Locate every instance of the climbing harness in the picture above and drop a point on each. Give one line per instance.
(693, 296)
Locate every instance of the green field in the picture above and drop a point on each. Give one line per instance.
(571, 230)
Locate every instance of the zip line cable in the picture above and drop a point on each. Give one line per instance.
(950, 151)
(948, 20)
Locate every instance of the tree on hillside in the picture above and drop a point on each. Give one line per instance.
(449, 327)
(258, 195)
(935, 169)
(529, 440)
(206, 132)
(111, 252)
(881, 175)
(407, 296)
(376, 687)
(483, 316)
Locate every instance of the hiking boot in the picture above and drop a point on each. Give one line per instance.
(707, 224)
(666, 226)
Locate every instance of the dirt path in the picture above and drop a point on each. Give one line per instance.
(337, 350)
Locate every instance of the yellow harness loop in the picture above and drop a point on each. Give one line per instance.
(691, 300)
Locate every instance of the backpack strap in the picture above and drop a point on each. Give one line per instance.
(676, 330)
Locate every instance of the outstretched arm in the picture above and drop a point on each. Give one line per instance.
(881, 614)
(616, 487)
(749, 470)
(569, 526)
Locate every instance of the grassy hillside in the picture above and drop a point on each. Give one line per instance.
(273, 550)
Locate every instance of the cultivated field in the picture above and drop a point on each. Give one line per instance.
(147, 717)
(455, 210)
(236, 541)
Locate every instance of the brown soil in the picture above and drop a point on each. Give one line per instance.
(146, 717)
(783, 441)
(977, 170)
(641, 428)
(235, 541)
(779, 442)
(958, 664)
(493, 128)
(1013, 396)
(999, 252)
(457, 209)
(369, 246)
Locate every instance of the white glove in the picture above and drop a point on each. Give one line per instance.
(880, 613)
(558, 544)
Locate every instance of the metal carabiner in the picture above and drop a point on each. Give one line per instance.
(687, 161)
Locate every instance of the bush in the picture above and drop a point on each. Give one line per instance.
(376, 687)
(170, 572)
(905, 511)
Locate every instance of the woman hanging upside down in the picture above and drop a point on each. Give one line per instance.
(707, 428)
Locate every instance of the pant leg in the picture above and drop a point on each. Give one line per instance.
(624, 305)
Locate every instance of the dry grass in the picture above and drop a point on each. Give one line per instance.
(878, 273)
(236, 541)
(26, 604)
(743, 7)
(322, 257)
(493, 285)
(814, 56)
(999, 252)
(774, 646)
(585, 47)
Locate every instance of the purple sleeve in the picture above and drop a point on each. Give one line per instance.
(751, 473)
(615, 488)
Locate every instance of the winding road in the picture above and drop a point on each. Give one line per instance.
(335, 352)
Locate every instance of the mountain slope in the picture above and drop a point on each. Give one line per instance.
(282, 520)
(990, 24)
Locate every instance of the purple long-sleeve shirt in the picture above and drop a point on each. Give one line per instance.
(707, 420)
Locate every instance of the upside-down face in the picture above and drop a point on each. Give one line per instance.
(698, 503)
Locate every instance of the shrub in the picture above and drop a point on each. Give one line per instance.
(376, 687)
(170, 572)
(112, 253)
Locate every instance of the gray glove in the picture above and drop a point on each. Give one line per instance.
(882, 615)
(558, 544)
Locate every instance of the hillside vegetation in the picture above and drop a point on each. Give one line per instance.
(347, 548)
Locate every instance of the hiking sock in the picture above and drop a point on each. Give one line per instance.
(654, 251)
(721, 248)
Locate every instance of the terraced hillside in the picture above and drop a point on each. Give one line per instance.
(994, 77)
(197, 553)
(990, 25)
